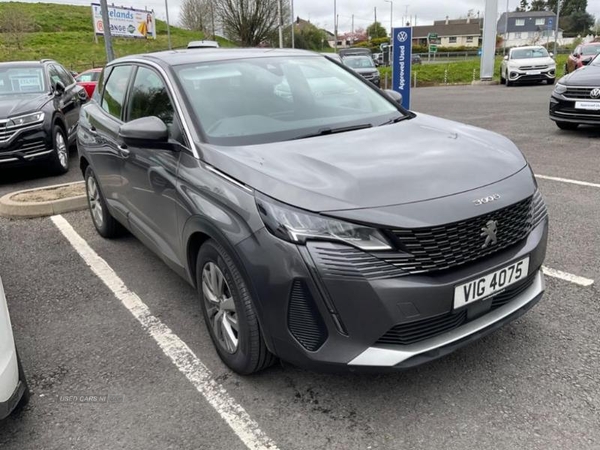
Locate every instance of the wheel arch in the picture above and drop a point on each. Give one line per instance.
(196, 232)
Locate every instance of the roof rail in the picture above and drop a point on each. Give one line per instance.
(45, 60)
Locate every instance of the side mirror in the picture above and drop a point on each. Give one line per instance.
(395, 96)
(586, 62)
(505, 57)
(145, 132)
(551, 55)
(59, 88)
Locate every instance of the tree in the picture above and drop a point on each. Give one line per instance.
(578, 22)
(196, 15)
(538, 5)
(376, 30)
(250, 22)
(15, 22)
(523, 6)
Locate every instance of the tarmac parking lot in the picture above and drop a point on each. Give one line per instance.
(118, 356)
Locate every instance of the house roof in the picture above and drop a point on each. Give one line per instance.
(528, 16)
(443, 30)
(460, 21)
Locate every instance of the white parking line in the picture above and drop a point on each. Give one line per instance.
(567, 276)
(177, 350)
(566, 180)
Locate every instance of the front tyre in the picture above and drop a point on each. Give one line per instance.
(105, 223)
(229, 311)
(570, 126)
(60, 151)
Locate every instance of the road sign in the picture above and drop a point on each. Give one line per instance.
(550, 23)
(401, 66)
(433, 48)
(433, 38)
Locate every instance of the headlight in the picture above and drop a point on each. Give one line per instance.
(28, 119)
(298, 226)
(560, 88)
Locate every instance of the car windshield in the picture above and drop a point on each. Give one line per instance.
(260, 100)
(87, 77)
(22, 79)
(596, 61)
(527, 53)
(359, 62)
(590, 50)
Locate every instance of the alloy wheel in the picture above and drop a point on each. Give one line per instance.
(95, 203)
(61, 150)
(220, 307)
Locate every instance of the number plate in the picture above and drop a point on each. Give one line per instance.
(592, 106)
(534, 72)
(475, 290)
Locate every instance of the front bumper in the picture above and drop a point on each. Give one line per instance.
(517, 75)
(327, 321)
(28, 146)
(564, 110)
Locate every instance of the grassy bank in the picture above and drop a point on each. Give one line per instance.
(65, 33)
(459, 72)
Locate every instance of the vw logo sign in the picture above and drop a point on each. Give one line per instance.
(402, 36)
(595, 93)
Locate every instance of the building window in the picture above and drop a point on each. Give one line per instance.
(520, 22)
(469, 39)
(541, 21)
(452, 40)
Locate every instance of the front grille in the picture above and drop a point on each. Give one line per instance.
(420, 330)
(412, 332)
(452, 245)
(343, 261)
(24, 148)
(580, 93)
(533, 67)
(304, 321)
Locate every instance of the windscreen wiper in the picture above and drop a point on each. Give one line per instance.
(326, 131)
(396, 120)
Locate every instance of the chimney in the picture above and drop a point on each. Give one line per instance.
(468, 19)
(447, 20)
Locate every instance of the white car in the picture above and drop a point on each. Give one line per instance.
(532, 63)
(13, 387)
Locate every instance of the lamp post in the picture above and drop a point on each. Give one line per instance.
(168, 25)
(558, 5)
(391, 2)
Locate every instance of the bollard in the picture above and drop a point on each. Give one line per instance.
(415, 79)
(446, 75)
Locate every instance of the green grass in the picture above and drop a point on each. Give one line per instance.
(65, 33)
(459, 72)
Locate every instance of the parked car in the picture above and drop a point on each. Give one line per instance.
(532, 63)
(576, 98)
(582, 56)
(364, 66)
(39, 112)
(352, 236)
(13, 386)
(416, 59)
(203, 44)
(88, 80)
(376, 58)
(334, 57)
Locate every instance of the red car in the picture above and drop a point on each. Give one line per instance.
(89, 80)
(582, 56)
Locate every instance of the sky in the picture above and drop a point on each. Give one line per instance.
(320, 12)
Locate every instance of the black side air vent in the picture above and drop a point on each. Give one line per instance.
(304, 321)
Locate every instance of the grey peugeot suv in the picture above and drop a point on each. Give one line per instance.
(319, 221)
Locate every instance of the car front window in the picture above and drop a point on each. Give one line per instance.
(260, 100)
(528, 53)
(22, 79)
(591, 50)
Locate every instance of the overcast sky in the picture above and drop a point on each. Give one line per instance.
(320, 12)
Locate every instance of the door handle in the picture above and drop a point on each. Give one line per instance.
(123, 150)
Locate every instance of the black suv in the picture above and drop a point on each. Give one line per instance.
(39, 112)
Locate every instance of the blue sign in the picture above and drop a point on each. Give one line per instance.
(402, 63)
(550, 23)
